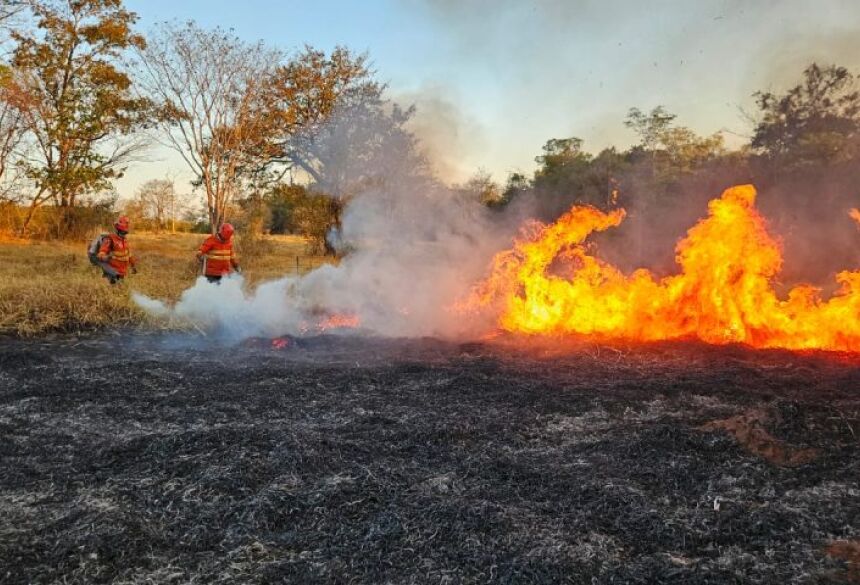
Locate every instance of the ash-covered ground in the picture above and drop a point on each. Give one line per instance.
(135, 459)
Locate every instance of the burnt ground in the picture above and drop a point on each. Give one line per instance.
(132, 459)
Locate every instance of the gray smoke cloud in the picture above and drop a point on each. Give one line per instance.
(413, 258)
(553, 69)
(415, 248)
(450, 139)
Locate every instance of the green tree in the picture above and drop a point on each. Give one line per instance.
(281, 200)
(814, 123)
(683, 151)
(481, 187)
(671, 150)
(649, 127)
(80, 110)
(567, 173)
(605, 177)
(295, 209)
(516, 184)
(561, 152)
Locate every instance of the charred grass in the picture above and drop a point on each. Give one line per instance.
(52, 287)
(147, 460)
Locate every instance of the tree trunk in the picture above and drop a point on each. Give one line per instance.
(31, 211)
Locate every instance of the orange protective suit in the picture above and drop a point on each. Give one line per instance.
(219, 255)
(116, 253)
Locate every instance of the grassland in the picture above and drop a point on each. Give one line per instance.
(51, 286)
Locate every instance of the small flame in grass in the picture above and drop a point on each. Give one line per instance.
(336, 321)
(278, 343)
(339, 322)
(281, 342)
(723, 292)
(855, 215)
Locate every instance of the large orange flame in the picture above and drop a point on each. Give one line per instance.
(723, 294)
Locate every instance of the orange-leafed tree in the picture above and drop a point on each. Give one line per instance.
(75, 97)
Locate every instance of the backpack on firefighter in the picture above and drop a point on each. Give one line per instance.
(94, 247)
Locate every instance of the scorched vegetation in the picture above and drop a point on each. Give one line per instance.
(367, 461)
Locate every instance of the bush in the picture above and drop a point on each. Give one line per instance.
(293, 209)
(51, 223)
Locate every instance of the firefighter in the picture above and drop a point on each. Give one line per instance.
(114, 255)
(217, 254)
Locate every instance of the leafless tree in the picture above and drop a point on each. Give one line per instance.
(158, 200)
(12, 130)
(11, 13)
(12, 139)
(9, 9)
(210, 86)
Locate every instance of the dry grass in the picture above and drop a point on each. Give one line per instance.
(52, 286)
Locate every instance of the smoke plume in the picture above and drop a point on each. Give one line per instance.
(451, 140)
(416, 247)
(412, 259)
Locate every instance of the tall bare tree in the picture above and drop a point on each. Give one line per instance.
(10, 8)
(10, 13)
(210, 86)
(157, 198)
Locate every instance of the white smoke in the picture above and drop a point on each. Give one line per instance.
(411, 261)
(154, 307)
(415, 252)
(415, 246)
(226, 309)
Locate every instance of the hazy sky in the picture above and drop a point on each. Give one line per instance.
(494, 79)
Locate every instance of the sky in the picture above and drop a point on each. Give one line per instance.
(493, 80)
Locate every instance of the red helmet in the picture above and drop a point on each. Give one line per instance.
(225, 232)
(122, 224)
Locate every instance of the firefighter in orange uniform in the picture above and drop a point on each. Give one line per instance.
(114, 255)
(217, 254)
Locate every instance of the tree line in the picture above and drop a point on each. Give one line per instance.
(83, 95)
(810, 130)
(801, 153)
(282, 140)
